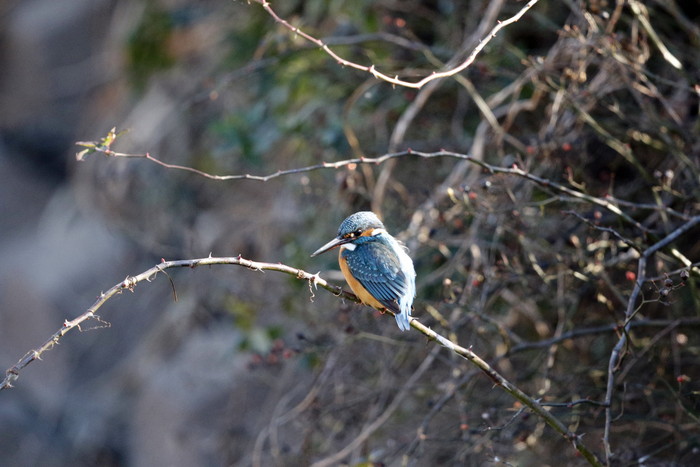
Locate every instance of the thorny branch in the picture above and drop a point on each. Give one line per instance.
(609, 203)
(130, 283)
(12, 374)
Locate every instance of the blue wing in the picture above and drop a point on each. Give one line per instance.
(377, 268)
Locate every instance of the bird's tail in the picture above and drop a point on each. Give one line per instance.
(403, 319)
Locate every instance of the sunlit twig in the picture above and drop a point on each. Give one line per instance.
(395, 80)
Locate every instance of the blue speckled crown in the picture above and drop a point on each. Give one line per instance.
(360, 220)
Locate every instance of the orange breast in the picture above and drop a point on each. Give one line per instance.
(355, 285)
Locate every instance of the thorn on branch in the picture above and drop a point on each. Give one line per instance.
(315, 279)
(313, 284)
(129, 283)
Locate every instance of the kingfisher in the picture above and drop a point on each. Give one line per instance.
(375, 265)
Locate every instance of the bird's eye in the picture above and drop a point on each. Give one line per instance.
(354, 234)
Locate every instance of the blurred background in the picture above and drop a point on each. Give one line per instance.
(250, 368)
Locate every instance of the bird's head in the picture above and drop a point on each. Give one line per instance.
(351, 230)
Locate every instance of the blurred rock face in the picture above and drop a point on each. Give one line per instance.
(50, 52)
(155, 392)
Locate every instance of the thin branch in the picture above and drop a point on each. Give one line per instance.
(336, 457)
(511, 389)
(609, 203)
(597, 330)
(642, 15)
(12, 374)
(130, 283)
(571, 404)
(450, 392)
(395, 79)
(617, 352)
(295, 411)
(624, 240)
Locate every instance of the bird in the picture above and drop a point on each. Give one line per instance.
(375, 265)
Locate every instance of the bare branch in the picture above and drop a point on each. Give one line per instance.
(597, 330)
(130, 282)
(617, 352)
(609, 203)
(395, 79)
(511, 389)
(336, 457)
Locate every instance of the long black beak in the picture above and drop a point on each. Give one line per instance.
(330, 245)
